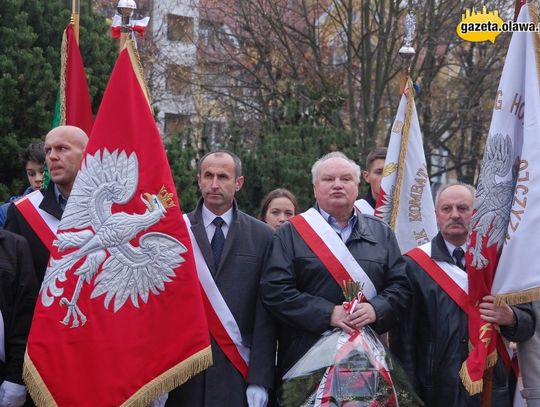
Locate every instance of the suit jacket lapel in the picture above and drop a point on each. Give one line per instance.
(197, 227)
(439, 251)
(49, 203)
(229, 240)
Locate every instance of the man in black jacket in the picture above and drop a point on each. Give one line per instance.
(303, 294)
(432, 341)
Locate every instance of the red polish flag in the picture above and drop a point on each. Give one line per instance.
(73, 105)
(120, 319)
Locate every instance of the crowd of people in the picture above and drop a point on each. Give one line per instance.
(274, 275)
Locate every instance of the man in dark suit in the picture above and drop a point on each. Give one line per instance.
(432, 339)
(234, 246)
(64, 147)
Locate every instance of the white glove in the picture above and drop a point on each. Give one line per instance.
(12, 394)
(160, 401)
(257, 396)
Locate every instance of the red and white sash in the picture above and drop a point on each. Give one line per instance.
(363, 206)
(42, 223)
(331, 250)
(221, 322)
(454, 282)
(449, 277)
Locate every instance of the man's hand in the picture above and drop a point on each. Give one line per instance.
(501, 315)
(339, 319)
(364, 314)
(257, 396)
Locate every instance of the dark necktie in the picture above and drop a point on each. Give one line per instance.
(62, 202)
(458, 255)
(218, 241)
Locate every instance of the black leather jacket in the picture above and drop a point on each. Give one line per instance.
(18, 294)
(432, 340)
(301, 293)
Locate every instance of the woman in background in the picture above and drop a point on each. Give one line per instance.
(278, 206)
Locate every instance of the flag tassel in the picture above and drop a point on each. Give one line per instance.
(34, 383)
(520, 297)
(172, 378)
(473, 387)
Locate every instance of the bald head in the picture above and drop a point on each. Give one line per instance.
(64, 147)
(71, 133)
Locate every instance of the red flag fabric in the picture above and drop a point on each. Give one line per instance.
(75, 106)
(120, 318)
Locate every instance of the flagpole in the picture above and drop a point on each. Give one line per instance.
(76, 17)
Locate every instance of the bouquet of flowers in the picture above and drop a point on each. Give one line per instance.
(347, 370)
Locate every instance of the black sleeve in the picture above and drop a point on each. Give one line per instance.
(263, 348)
(391, 303)
(11, 221)
(25, 289)
(525, 324)
(403, 338)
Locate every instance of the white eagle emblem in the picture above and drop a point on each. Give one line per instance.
(493, 197)
(96, 239)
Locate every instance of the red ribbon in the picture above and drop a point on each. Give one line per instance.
(117, 30)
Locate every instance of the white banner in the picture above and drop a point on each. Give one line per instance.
(414, 222)
(515, 128)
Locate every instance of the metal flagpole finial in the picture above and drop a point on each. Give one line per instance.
(125, 9)
(407, 50)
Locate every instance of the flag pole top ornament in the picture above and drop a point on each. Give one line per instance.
(407, 50)
(126, 8)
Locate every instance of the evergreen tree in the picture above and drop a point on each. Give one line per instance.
(30, 39)
(181, 155)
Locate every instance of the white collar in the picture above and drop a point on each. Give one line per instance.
(451, 247)
(209, 216)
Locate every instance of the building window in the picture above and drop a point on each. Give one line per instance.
(213, 36)
(174, 123)
(179, 28)
(178, 79)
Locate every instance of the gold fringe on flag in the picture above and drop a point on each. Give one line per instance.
(35, 385)
(492, 358)
(520, 297)
(138, 69)
(402, 155)
(473, 387)
(172, 378)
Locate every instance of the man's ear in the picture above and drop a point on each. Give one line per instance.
(239, 183)
(365, 175)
